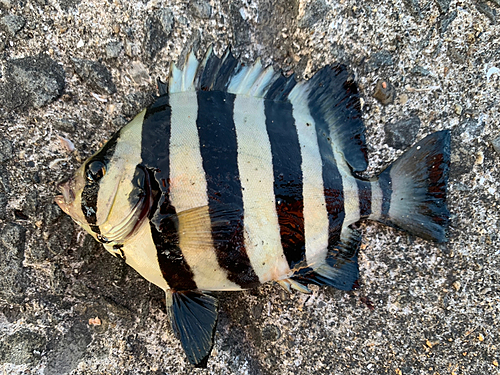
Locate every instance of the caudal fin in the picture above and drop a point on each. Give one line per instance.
(412, 190)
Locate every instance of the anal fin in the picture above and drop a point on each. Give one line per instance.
(193, 316)
(340, 268)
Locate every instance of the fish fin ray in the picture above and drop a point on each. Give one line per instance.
(183, 80)
(200, 226)
(193, 317)
(340, 268)
(229, 74)
(333, 100)
(418, 180)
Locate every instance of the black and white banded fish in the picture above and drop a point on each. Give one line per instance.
(238, 175)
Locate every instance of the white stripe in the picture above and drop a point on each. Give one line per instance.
(350, 188)
(262, 230)
(351, 196)
(376, 200)
(188, 189)
(315, 213)
(119, 178)
(243, 81)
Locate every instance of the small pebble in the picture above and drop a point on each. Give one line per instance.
(443, 5)
(485, 9)
(157, 28)
(446, 21)
(138, 73)
(113, 49)
(65, 125)
(379, 60)
(384, 92)
(418, 70)
(401, 134)
(5, 150)
(95, 75)
(200, 9)
(13, 23)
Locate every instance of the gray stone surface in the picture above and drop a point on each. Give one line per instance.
(157, 29)
(402, 133)
(313, 13)
(95, 75)
(5, 150)
(22, 347)
(496, 144)
(421, 308)
(32, 81)
(200, 9)
(12, 278)
(12, 23)
(113, 49)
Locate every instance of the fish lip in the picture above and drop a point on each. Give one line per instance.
(66, 189)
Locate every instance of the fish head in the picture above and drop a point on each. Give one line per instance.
(110, 194)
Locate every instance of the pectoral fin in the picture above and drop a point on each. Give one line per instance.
(193, 316)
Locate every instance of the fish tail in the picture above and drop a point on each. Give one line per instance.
(411, 192)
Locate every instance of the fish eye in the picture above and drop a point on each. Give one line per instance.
(95, 170)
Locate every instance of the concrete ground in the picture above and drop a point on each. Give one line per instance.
(80, 69)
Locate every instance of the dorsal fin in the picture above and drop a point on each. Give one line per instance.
(225, 74)
(331, 94)
(333, 100)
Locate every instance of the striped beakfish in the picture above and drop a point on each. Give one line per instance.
(238, 175)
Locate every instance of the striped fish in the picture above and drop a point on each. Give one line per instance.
(238, 175)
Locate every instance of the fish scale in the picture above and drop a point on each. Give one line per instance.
(238, 175)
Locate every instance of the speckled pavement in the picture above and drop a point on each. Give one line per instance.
(80, 69)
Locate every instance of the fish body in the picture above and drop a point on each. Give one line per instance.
(237, 175)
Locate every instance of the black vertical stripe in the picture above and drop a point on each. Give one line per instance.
(365, 198)
(162, 218)
(288, 181)
(332, 179)
(219, 149)
(90, 192)
(385, 183)
(281, 88)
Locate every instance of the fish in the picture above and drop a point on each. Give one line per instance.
(238, 175)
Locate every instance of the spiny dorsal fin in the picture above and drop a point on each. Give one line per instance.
(223, 74)
(331, 94)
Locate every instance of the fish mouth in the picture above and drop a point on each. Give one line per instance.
(67, 196)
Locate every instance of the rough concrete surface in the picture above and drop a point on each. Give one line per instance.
(80, 69)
